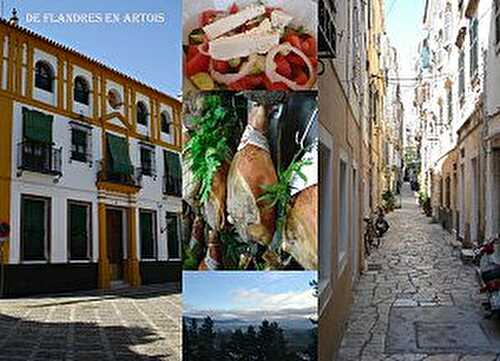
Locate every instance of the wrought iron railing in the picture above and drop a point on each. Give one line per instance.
(172, 186)
(106, 174)
(39, 157)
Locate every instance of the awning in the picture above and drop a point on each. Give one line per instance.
(37, 126)
(120, 157)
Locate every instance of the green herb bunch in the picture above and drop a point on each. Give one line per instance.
(279, 194)
(210, 143)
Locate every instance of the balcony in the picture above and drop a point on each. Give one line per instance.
(106, 175)
(39, 158)
(172, 186)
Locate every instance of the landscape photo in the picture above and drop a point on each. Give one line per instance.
(250, 316)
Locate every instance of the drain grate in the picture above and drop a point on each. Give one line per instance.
(374, 267)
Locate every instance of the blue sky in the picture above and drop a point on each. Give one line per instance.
(150, 52)
(403, 20)
(247, 292)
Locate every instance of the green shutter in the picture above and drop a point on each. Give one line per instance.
(120, 158)
(173, 165)
(33, 230)
(78, 232)
(37, 126)
(173, 236)
(147, 239)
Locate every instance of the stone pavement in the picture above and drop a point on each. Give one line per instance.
(122, 325)
(421, 302)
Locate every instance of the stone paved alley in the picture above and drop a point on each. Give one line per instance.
(120, 325)
(423, 304)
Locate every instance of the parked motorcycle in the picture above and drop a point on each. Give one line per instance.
(488, 259)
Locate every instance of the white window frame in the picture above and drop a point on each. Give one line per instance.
(89, 231)
(325, 276)
(48, 227)
(89, 153)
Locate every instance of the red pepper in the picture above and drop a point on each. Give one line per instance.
(234, 9)
(309, 47)
(208, 16)
(221, 66)
(283, 67)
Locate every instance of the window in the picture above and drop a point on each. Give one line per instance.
(448, 193)
(327, 41)
(147, 224)
(35, 228)
(343, 215)
(461, 75)
(44, 76)
(474, 48)
(166, 122)
(81, 90)
(450, 105)
(173, 174)
(448, 24)
(497, 21)
(325, 214)
(173, 236)
(79, 231)
(356, 49)
(80, 143)
(114, 99)
(142, 114)
(148, 160)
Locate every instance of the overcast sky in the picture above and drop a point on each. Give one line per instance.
(249, 295)
(150, 52)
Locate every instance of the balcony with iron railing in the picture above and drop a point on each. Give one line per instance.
(105, 174)
(172, 186)
(39, 157)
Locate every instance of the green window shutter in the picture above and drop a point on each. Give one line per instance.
(37, 126)
(120, 158)
(79, 144)
(147, 238)
(173, 164)
(33, 229)
(173, 241)
(78, 232)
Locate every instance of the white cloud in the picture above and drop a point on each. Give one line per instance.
(257, 300)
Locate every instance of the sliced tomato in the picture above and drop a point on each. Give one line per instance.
(301, 77)
(294, 59)
(278, 86)
(283, 67)
(208, 16)
(293, 39)
(309, 47)
(247, 83)
(221, 66)
(198, 64)
(192, 51)
(234, 9)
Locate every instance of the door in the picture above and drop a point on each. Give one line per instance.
(115, 235)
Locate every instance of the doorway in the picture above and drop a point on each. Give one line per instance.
(115, 219)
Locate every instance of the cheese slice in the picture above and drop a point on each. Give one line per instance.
(234, 21)
(258, 40)
(280, 19)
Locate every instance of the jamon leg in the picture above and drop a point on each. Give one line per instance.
(301, 228)
(252, 168)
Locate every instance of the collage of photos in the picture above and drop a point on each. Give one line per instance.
(250, 180)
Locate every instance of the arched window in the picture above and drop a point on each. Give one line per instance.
(44, 76)
(142, 113)
(81, 90)
(166, 122)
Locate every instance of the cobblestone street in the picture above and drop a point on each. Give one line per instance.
(423, 303)
(121, 325)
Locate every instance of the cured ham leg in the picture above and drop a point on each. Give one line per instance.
(252, 168)
(301, 228)
(215, 206)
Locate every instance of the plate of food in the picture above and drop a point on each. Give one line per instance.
(250, 45)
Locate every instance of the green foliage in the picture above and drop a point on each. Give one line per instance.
(279, 194)
(425, 202)
(233, 248)
(267, 343)
(388, 201)
(210, 143)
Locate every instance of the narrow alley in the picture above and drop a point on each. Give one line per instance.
(418, 301)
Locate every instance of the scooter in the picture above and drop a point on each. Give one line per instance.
(489, 272)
